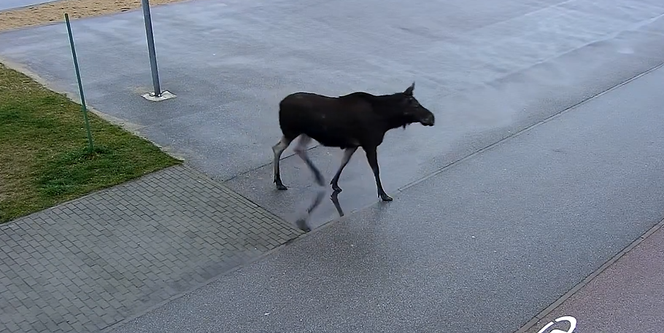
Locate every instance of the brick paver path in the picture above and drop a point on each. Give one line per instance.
(90, 263)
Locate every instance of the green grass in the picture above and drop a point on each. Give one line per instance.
(44, 157)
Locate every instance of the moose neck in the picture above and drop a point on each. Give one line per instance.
(391, 114)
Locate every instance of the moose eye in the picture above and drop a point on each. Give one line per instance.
(409, 101)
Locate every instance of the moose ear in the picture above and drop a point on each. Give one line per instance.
(409, 90)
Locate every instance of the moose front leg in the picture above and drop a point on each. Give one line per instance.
(302, 222)
(372, 158)
(348, 153)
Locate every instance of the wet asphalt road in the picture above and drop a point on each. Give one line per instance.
(486, 69)
(481, 247)
(627, 297)
(545, 208)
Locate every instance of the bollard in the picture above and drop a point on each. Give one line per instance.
(153, 57)
(80, 84)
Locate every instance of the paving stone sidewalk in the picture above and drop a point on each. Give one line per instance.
(92, 262)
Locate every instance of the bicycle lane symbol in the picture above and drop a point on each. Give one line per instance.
(570, 319)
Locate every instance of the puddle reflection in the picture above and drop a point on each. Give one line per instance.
(335, 200)
(303, 223)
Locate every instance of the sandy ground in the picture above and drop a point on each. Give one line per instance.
(55, 11)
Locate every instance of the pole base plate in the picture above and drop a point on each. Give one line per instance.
(164, 96)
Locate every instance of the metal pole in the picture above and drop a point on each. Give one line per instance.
(80, 85)
(151, 51)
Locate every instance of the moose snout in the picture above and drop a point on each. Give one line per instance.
(429, 120)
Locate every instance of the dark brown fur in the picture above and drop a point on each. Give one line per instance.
(350, 121)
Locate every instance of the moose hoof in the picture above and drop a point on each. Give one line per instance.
(281, 187)
(302, 225)
(385, 197)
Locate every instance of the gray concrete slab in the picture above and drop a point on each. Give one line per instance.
(481, 247)
(486, 70)
(626, 297)
(14, 4)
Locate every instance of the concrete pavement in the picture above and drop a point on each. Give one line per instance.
(483, 246)
(487, 69)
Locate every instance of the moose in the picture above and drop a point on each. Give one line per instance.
(358, 119)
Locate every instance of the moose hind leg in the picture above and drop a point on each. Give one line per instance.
(348, 153)
(301, 150)
(278, 149)
(372, 158)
